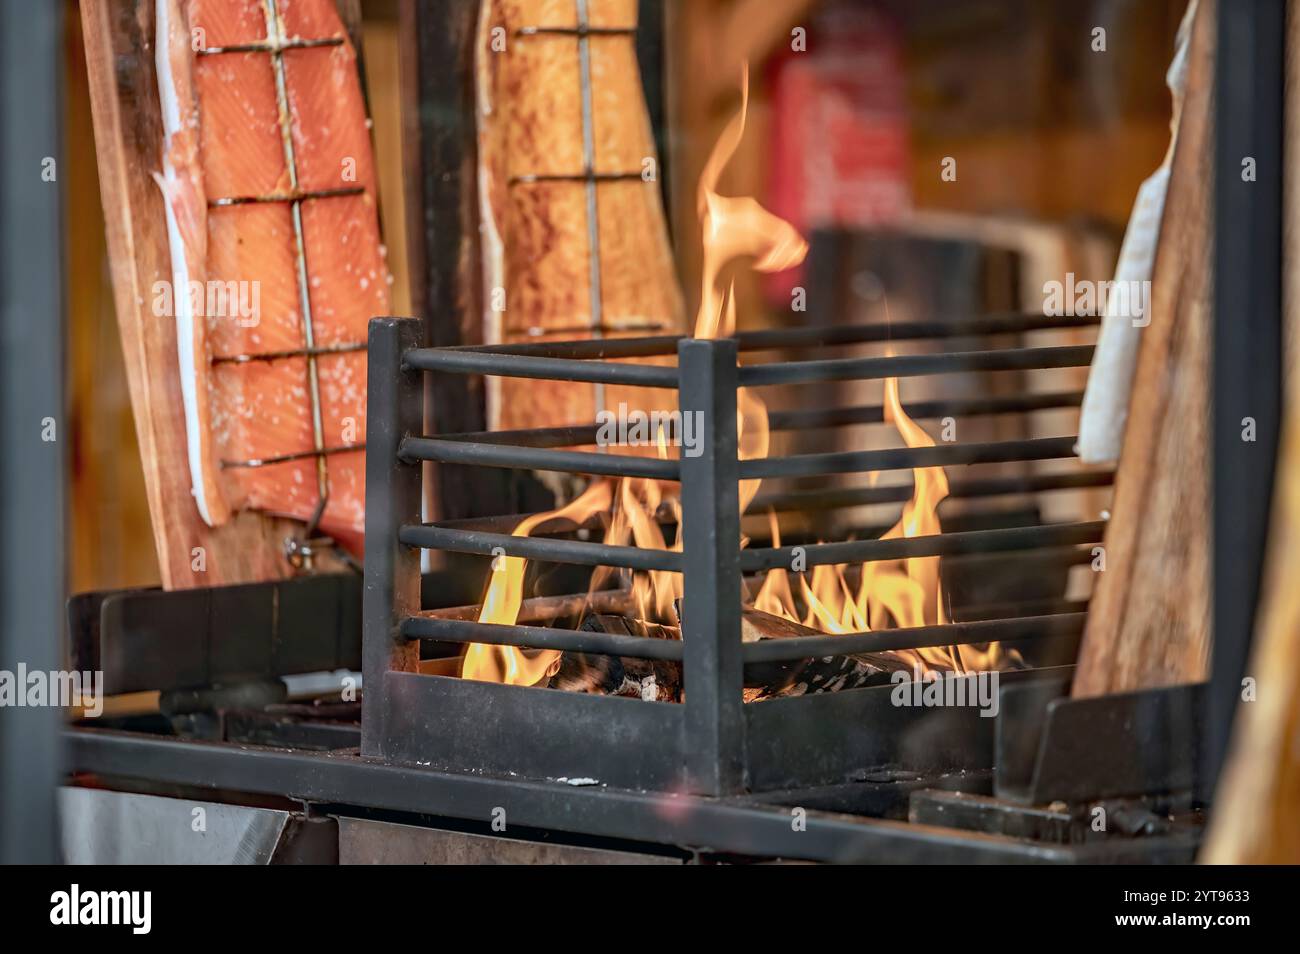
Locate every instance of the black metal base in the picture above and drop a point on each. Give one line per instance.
(951, 817)
(730, 825)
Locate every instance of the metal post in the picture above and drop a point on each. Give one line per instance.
(715, 730)
(392, 583)
(34, 427)
(1247, 354)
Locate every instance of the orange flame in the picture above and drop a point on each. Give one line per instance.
(893, 593)
(920, 514)
(639, 502)
(505, 593)
(898, 593)
(774, 595)
(734, 227)
(902, 593)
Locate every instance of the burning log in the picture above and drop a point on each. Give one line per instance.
(756, 625)
(809, 676)
(650, 679)
(661, 680)
(545, 609)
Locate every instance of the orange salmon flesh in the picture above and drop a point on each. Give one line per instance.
(226, 142)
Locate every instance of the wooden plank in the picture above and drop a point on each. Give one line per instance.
(119, 42)
(1149, 621)
(110, 540)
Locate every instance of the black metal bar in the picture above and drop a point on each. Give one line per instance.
(572, 435)
(801, 501)
(35, 429)
(913, 365)
(581, 552)
(938, 544)
(587, 348)
(908, 458)
(715, 725)
(394, 409)
(541, 637)
(1044, 558)
(995, 324)
(1042, 607)
(833, 498)
(547, 609)
(806, 418)
(584, 553)
(804, 337)
(917, 637)
(464, 361)
(980, 519)
(574, 462)
(578, 435)
(507, 522)
(1248, 346)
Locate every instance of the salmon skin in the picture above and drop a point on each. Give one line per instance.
(242, 137)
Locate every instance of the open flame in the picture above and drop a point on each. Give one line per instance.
(732, 227)
(735, 227)
(636, 517)
(505, 593)
(892, 593)
(903, 593)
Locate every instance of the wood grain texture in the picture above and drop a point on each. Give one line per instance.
(119, 43)
(111, 540)
(1255, 819)
(1149, 621)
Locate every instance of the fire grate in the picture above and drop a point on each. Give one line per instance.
(713, 743)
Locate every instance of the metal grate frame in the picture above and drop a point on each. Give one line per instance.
(712, 743)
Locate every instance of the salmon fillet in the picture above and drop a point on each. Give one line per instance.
(240, 311)
(534, 205)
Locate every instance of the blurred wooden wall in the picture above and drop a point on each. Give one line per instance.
(1041, 124)
(1043, 128)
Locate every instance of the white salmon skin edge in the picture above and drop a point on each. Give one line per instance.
(171, 117)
